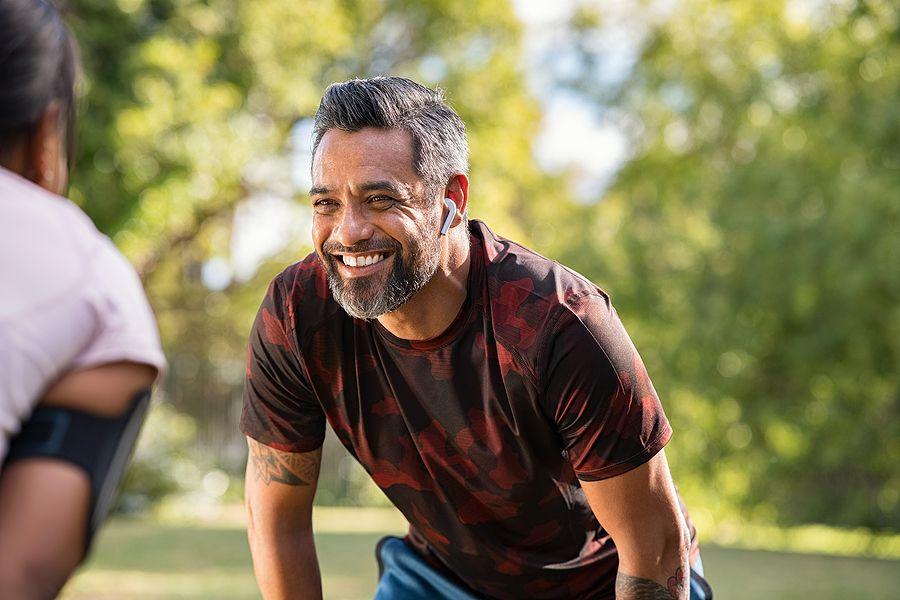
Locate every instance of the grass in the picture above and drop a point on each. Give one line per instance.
(143, 560)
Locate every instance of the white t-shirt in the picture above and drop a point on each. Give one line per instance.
(68, 300)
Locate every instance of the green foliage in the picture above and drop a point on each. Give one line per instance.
(162, 462)
(753, 248)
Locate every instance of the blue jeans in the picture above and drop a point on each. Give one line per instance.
(700, 588)
(406, 576)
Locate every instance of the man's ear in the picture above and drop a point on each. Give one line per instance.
(458, 190)
(45, 159)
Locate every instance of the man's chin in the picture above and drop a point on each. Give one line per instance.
(367, 288)
(359, 303)
(366, 312)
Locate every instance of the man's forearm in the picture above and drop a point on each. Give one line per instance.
(287, 567)
(641, 512)
(280, 487)
(634, 583)
(629, 587)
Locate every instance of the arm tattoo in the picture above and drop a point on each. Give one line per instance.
(629, 587)
(676, 583)
(289, 468)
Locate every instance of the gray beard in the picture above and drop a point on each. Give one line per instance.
(367, 300)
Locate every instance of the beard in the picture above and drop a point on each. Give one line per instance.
(368, 297)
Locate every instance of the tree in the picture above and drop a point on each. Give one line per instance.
(752, 245)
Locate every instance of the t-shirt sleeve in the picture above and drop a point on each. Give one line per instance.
(125, 329)
(280, 409)
(598, 392)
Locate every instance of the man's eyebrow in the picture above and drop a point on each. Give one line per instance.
(370, 186)
(386, 186)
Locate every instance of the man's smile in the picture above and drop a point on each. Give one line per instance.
(361, 264)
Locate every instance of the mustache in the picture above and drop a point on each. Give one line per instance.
(333, 247)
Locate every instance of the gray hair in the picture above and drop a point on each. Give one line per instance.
(439, 143)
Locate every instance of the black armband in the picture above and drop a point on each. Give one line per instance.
(101, 446)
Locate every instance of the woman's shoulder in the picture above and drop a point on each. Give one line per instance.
(47, 245)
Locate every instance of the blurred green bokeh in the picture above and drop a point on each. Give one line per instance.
(751, 241)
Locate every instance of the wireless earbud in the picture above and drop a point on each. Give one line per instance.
(451, 206)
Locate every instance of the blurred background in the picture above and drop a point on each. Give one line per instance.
(728, 171)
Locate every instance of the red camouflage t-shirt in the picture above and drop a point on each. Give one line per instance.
(478, 436)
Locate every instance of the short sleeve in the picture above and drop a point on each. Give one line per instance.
(598, 392)
(280, 410)
(125, 328)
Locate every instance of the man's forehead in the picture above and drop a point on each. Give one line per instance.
(370, 142)
(364, 158)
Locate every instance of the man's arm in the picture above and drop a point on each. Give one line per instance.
(45, 503)
(640, 511)
(280, 487)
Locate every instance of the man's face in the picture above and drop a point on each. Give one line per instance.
(375, 227)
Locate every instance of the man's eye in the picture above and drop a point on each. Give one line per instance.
(381, 201)
(325, 206)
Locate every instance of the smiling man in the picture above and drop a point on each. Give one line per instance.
(490, 392)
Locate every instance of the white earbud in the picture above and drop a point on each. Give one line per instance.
(451, 207)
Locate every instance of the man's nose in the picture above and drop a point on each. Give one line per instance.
(354, 226)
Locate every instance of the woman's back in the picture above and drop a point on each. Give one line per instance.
(68, 300)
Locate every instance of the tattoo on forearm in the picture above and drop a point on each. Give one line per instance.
(636, 588)
(288, 468)
(675, 583)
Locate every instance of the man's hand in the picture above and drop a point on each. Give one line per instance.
(640, 511)
(280, 487)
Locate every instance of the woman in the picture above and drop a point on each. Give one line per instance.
(76, 331)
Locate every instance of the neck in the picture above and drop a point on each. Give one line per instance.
(13, 160)
(435, 306)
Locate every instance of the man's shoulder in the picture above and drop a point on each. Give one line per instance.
(303, 288)
(527, 295)
(522, 275)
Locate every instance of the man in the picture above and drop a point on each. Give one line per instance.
(491, 393)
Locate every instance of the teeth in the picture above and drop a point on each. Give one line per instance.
(362, 261)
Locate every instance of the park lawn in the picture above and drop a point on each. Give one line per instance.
(143, 560)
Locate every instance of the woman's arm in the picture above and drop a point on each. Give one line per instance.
(45, 503)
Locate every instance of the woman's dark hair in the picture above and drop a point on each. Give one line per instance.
(38, 64)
